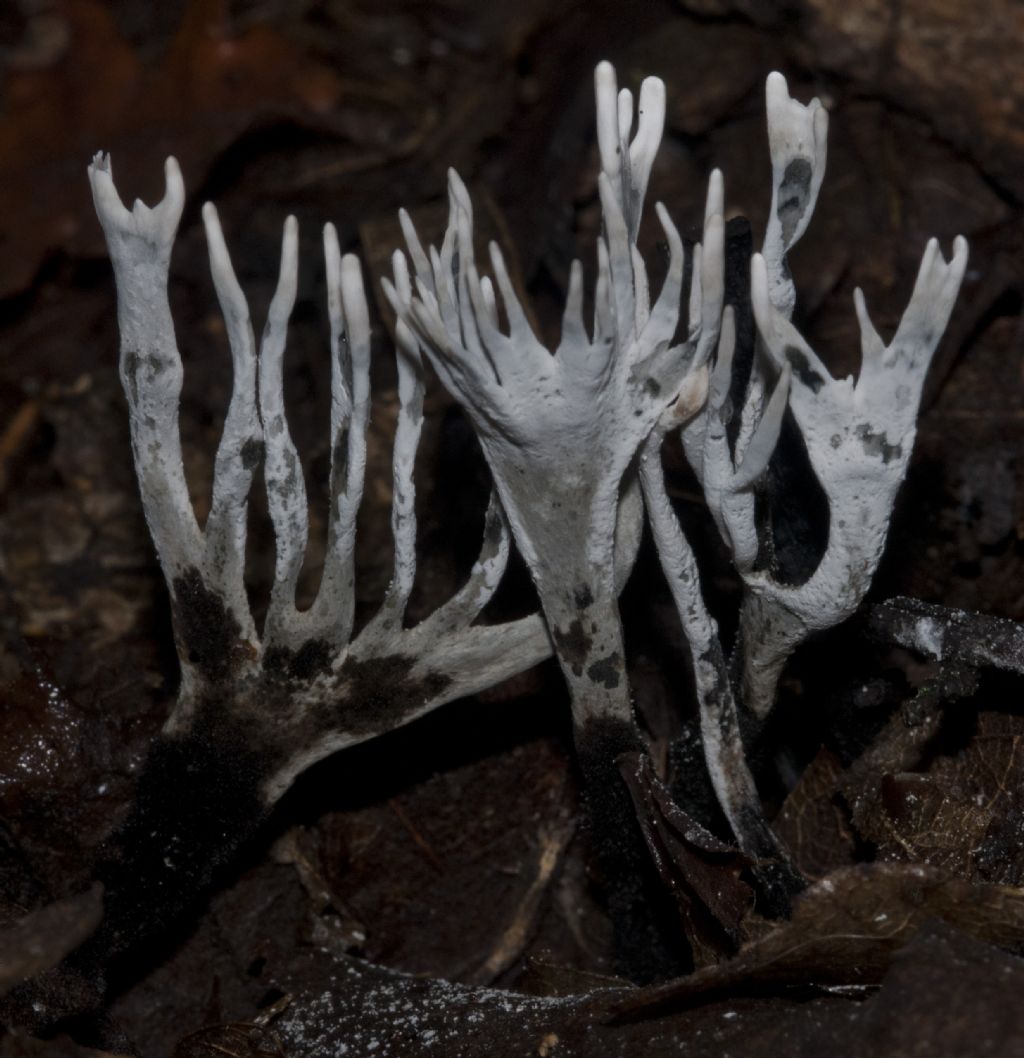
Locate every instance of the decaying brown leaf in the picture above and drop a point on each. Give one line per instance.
(812, 823)
(845, 931)
(702, 872)
(42, 938)
(212, 84)
(965, 813)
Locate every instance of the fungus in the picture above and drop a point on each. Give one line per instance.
(858, 436)
(255, 709)
(573, 440)
(858, 439)
(560, 429)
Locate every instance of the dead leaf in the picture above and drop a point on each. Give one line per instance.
(41, 939)
(812, 823)
(212, 85)
(965, 813)
(946, 995)
(702, 872)
(845, 931)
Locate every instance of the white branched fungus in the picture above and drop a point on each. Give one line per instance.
(304, 683)
(572, 437)
(560, 429)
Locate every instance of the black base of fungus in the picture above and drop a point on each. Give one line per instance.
(647, 943)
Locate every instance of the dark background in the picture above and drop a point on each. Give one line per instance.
(345, 111)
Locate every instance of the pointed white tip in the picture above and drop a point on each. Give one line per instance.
(332, 262)
(458, 188)
(174, 197)
(353, 296)
(400, 269)
(332, 250)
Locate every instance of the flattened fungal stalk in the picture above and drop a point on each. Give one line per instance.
(858, 439)
(560, 430)
(728, 472)
(254, 711)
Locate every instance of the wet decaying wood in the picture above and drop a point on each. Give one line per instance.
(431, 892)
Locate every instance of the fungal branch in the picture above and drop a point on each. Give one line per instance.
(729, 470)
(254, 710)
(858, 439)
(560, 429)
(194, 561)
(721, 733)
(573, 439)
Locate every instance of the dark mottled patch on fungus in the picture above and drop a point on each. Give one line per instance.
(573, 645)
(794, 194)
(607, 671)
(652, 386)
(582, 596)
(712, 658)
(132, 364)
(339, 458)
(209, 631)
(252, 453)
(877, 444)
(802, 367)
(381, 692)
(312, 659)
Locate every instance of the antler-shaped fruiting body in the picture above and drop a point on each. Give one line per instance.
(728, 469)
(859, 437)
(858, 440)
(560, 429)
(877, 417)
(721, 733)
(254, 710)
(729, 463)
(562, 432)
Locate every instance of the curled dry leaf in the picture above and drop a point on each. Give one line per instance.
(844, 932)
(41, 939)
(701, 871)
